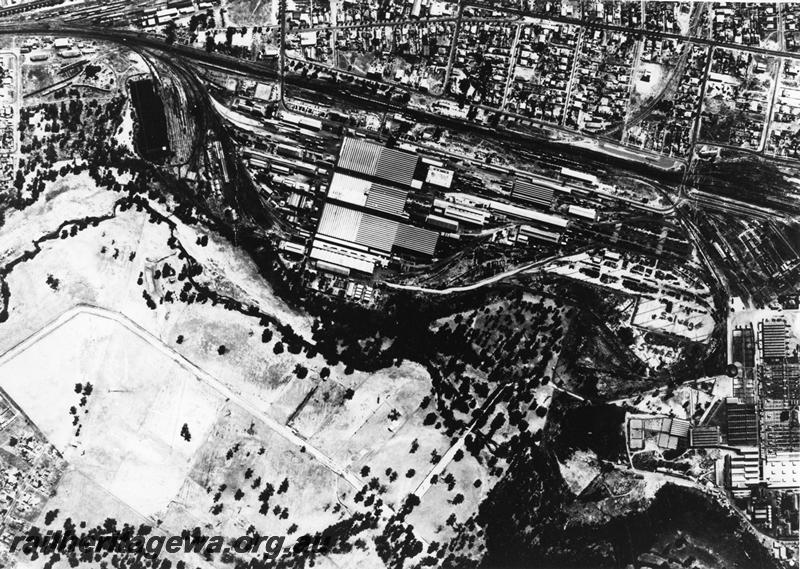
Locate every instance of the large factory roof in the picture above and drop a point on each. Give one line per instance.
(372, 159)
(374, 232)
(742, 424)
(370, 195)
(773, 339)
(540, 193)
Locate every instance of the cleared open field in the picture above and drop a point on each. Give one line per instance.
(239, 458)
(156, 362)
(70, 197)
(251, 12)
(126, 434)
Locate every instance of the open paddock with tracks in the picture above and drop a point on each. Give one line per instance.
(125, 430)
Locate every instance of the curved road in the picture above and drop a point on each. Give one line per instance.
(488, 281)
(272, 70)
(142, 40)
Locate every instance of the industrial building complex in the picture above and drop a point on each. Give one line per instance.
(402, 284)
(751, 420)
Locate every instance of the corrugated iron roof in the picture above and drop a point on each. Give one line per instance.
(536, 193)
(372, 159)
(397, 166)
(416, 239)
(359, 156)
(386, 199)
(377, 232)
(340, 222)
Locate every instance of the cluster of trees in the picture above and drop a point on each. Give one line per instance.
(52, 282)
(227, 46)
(497, 354)
(266, 493)
(84, 391)
(466, 362)
(397, 542)
(73, 129)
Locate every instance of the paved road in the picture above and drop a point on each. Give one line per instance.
(570, 393)
(640, 32)
(448, 456)
(267, 68)
(286, 432)
(272, 70)
(479, 284)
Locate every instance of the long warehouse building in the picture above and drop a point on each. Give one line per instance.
(540, 192)
(347, 225)
(366, 194)
(370, 159)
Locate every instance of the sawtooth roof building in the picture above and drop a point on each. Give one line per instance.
(364, 222)
(370, 159)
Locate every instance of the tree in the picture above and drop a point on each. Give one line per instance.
(221, 350)
(50, 154)
(264, 498)
(498, 422)
(284, 486)
(278, 349)
(50, 516)
(19, 181)
(170, 30)
(625, 335)
(187, 436)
